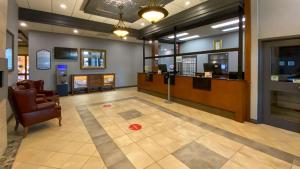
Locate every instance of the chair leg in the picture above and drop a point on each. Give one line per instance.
(17, 126)
(59, 121)
(25, 131)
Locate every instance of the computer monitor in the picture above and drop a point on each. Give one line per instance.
(163, 68)
(217, 69)
(208, 67)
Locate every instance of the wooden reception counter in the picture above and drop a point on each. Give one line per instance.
(224, 94)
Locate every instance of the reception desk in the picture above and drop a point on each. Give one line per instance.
(224, 94)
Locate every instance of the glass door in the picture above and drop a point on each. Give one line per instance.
(281, 100)
(23, 68)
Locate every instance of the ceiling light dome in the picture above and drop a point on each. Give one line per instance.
(120, 29)
(153, 12)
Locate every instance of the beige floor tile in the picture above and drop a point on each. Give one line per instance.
(167, 143)
(57, 160)
(136, 136)
(75, 162)
(220, 144)
(250, 158)
(33, 156)
(170, 162)
(43, 167)
(94, 163)
(123, 141)
(154, 166)
(231, 165)
(46, 139)
(72, 147)
(137, 156)
(295, 167)
(20, 165)
(87, 149)
(152, 148)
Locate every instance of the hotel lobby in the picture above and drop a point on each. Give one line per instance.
(149, 84)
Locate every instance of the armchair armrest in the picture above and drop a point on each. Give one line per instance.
(46, 105)
(46, 92)
(40, 95)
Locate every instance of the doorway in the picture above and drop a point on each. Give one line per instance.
(23, 67)
(280, 84)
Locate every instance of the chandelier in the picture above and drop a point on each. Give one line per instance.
(118, 3)
(120, 29)
(153, 12)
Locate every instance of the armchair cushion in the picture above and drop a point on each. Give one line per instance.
(25, 100)
(46, 105)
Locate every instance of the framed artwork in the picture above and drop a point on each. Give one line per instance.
(92, 59)
(43, 59)
(217, 44)
(9, 50)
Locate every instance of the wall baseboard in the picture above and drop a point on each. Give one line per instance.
(121, 87)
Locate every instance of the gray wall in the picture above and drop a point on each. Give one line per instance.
(12, 26)
(123, 58)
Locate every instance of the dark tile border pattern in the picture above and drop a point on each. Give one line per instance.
(279, 154)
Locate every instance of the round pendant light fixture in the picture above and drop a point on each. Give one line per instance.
(120, 29)
(153, 12)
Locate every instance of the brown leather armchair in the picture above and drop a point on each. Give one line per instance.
(27, 111)
(41, 93)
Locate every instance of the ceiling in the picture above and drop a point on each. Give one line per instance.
(65, 30)
(130, 11)
(74, 9)
(207, 30)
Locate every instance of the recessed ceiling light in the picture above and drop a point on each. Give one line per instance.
(190, 37)
(142, 24)
(150, 41)
(23, 24)
(75, 31)
(232, 22)
(178, 35)
(187, 3)
(63, 6)
(125, 38)
(232, 29)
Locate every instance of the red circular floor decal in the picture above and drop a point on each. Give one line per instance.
(107, 105)
(135, 127)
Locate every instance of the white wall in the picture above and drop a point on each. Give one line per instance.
(278, 18)
(270, 19)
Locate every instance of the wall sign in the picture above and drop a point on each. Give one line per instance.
(43, 59)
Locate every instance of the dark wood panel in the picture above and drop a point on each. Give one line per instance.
(67, 21)
(229, 95)
(95, 82)
(205, 13)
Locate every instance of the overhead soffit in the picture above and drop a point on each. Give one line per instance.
(130, 12)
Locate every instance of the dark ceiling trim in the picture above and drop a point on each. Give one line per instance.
(205, 13)
(67, 21)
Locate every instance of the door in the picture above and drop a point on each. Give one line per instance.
(23, 67)
(281, 84)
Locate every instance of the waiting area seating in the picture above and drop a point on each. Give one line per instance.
(31, 104)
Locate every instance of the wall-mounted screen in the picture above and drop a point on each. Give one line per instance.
(65, 53)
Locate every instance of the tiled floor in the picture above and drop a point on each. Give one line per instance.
(95, 134)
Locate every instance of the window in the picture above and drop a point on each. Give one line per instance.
(187, 65)
(9, 51)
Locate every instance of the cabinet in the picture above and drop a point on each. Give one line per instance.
(92, 82)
